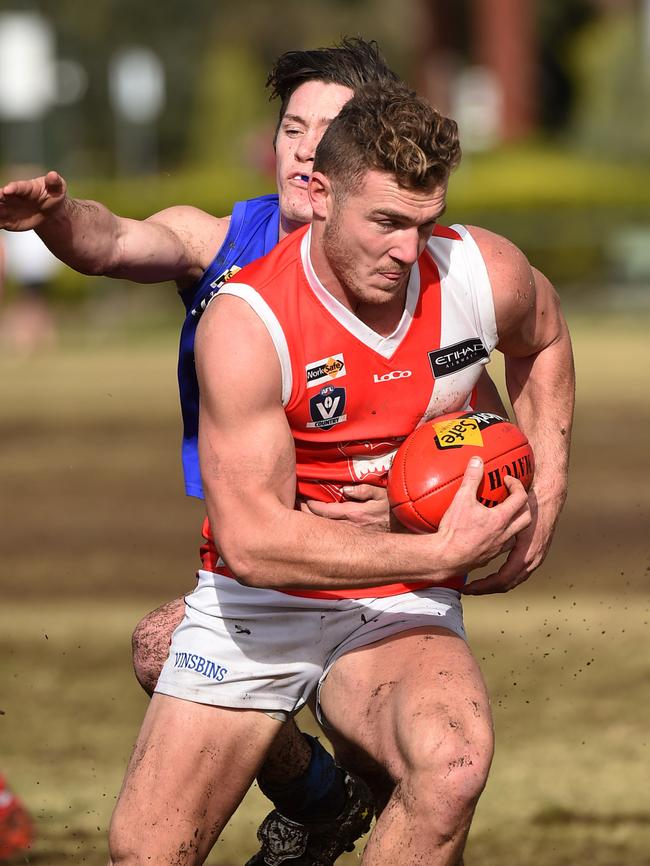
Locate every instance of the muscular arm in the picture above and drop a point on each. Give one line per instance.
(248, 467)
(534, 339)
(175, 244)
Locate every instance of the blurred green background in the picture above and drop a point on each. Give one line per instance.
(552, 103)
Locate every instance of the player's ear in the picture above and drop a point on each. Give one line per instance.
(320, 191)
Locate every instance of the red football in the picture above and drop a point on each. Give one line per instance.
(429, 465)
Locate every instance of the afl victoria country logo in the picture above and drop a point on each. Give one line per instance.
(327, 408)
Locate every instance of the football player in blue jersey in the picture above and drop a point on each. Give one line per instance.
(320, 809)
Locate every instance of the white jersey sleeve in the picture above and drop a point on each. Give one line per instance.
(466, 286)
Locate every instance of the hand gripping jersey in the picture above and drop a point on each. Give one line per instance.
(253, 232)
(352, 395)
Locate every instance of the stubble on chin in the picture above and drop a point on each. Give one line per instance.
(338, 255)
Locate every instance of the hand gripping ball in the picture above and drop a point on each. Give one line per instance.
(429, 465)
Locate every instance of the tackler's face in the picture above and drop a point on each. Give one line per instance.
(310, 110)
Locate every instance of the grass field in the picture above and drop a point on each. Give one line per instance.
(95, 532)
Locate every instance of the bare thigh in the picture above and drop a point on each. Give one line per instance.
(289, 754)
(422, 677)
(190, 768)
(411, 714)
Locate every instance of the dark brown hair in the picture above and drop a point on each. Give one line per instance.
(388, 127)
(352, 63)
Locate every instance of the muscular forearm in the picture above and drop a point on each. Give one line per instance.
(268, 545)
(175, 244)
(542, 390)
(83, 234)
(308, 552)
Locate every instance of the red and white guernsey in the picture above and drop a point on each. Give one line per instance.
(352, 395)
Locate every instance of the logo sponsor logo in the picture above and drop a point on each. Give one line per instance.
(205, 667)
(215, 285)
(465, 430)
(450, 359)
(325, 370)
(393, 374)
(327, 408)
(223, 278)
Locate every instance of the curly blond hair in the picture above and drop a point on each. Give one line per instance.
(389, 128)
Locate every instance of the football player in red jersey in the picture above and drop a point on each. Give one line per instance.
(180, 243)
(290, 607)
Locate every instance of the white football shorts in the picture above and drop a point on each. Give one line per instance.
(260, 649)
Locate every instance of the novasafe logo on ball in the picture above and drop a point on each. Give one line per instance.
(465, 430)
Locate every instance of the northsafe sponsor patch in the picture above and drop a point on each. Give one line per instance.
(325, 370)
(450, 359)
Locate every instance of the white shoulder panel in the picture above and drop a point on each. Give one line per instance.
(464, 275)
(257, 303)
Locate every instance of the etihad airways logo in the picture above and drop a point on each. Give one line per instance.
(325, 370)
(450, 359)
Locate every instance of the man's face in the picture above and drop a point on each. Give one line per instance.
(310, 110)
(371, 238)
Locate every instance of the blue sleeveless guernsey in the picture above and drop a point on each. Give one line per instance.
(253, 232)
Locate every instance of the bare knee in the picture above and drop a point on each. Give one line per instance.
(119, 853)
(445, 768)
(122, 850)
(134, 850)
(150, 642)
